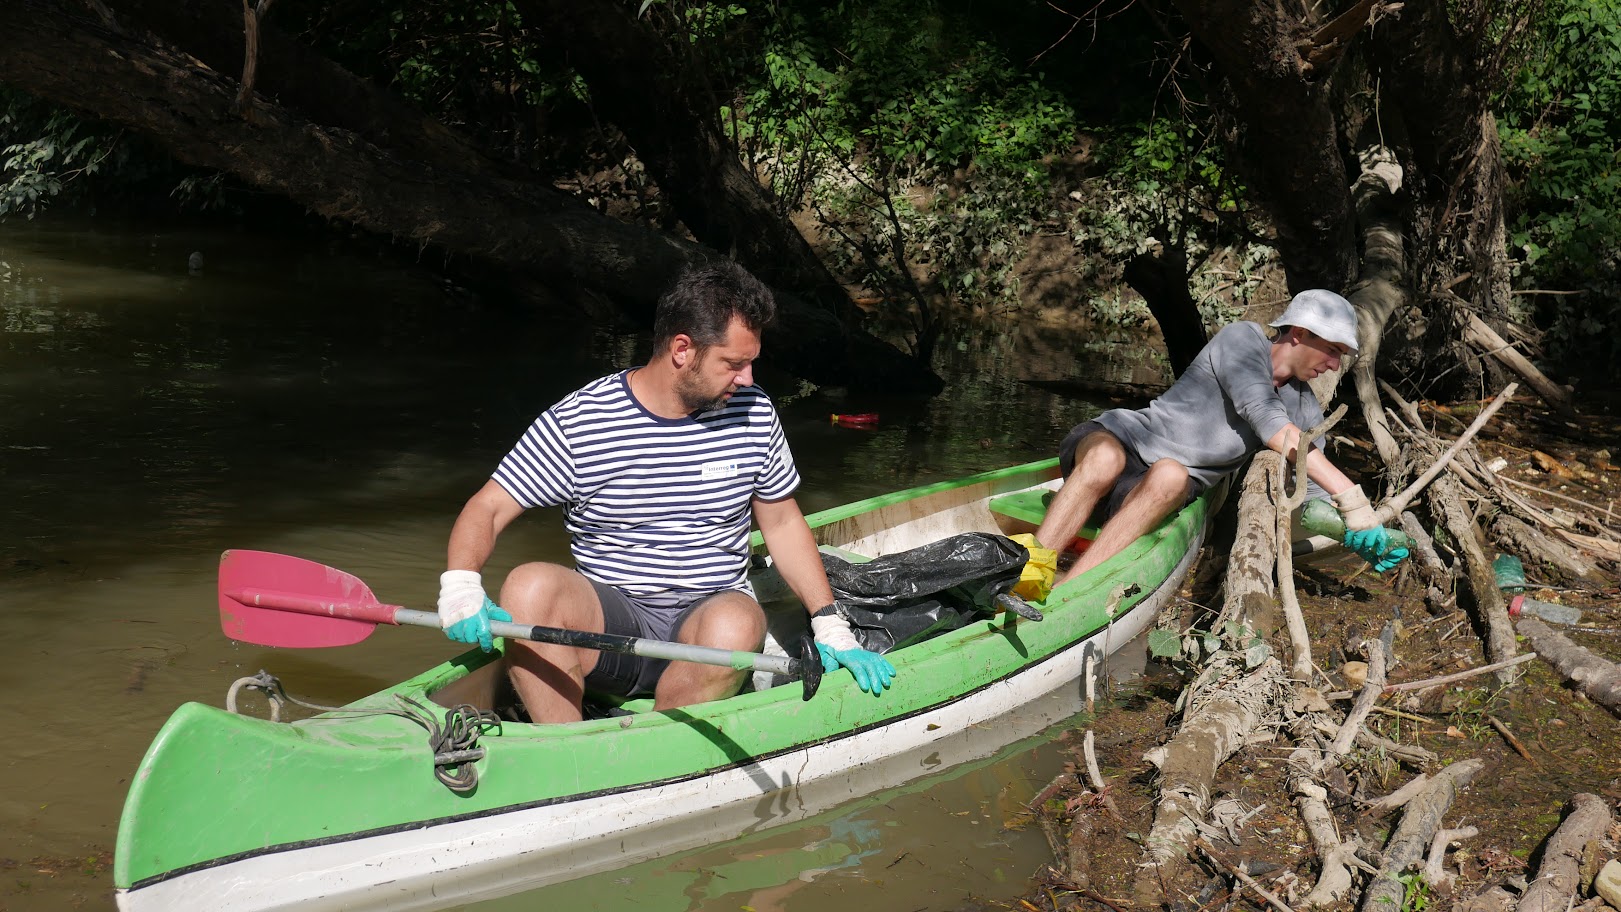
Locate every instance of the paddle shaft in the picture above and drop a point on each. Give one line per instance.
(379, 613)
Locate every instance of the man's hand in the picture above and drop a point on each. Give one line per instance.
(1363, 533)
(1373, 546)
(465, 611)
(839, 649)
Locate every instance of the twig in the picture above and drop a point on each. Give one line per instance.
(1243, 878)
(1448, 679)
(1392, 507)
(1507, 736)
(1092, 763)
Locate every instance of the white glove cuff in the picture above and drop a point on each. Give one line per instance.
(461, 595)
(834, 632)
(1354, 507)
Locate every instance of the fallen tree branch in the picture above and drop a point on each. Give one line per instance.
(1554, 887)
(1593, 675)
(1392, 507)
(1408, 843)
(1219, 721)
(1483, 337)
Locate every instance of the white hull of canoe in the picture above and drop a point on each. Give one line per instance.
(471, 860)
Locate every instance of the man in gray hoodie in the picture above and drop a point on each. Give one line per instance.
(1247, 389)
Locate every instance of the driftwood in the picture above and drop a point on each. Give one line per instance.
(1483, 337)
(1218, 722)
(1593, 675)
(1527, 541)
(1409, 843)
(1446, 501)
(1435, 873)
(1554, 887)
(1251, 597)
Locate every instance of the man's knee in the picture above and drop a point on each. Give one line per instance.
(1166, 480)
(727, 620)
(550, 594)
(1100, 458)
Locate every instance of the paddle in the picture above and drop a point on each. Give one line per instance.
(279, 600)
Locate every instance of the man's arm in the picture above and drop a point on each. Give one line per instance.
(465, 610)
(472, 538)
(1363, 532)
(793, 549)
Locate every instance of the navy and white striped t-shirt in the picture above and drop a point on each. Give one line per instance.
(657, 507)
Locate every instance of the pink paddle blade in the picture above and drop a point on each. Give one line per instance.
(278, 600)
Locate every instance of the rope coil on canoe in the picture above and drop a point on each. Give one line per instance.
(454, 743)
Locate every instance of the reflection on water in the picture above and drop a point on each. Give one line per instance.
(297, 397)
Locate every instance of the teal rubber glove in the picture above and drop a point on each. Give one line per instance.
(1373, 546)
(839, 648)
(465, 611)
(872, 671)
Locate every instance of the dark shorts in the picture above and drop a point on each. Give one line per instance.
(622, 674)
(1130, 476)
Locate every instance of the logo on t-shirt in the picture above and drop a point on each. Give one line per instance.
(717, 470)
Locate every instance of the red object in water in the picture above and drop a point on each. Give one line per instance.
(867, 420)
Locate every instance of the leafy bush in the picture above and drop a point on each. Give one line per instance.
(1561, 131)
(913, 143)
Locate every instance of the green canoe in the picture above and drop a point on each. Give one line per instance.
(344, 811)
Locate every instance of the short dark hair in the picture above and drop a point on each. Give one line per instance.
(705, 298)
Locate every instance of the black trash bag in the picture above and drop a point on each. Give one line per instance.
(901, 599)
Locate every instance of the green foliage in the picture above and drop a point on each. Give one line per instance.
(921, 150)
(44, 150)
(1166, 184)
(1416, 896)
(1199, 646)
(1561, 131)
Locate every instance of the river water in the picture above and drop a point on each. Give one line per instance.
(300, 396)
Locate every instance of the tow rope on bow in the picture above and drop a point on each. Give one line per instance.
(454, 743)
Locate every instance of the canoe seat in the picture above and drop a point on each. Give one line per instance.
(1031, 507)
(1027, 506)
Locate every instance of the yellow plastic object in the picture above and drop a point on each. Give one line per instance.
(1036, 580)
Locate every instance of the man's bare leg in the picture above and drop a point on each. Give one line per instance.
(1099, 460)
(549, 678)
(1162, 490)
(727, 620)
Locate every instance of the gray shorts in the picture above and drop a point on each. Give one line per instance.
(622, 674)
(1131, 476)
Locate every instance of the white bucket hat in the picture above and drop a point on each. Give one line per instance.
(1324, 313)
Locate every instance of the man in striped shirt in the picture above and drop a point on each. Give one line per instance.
(660, 470)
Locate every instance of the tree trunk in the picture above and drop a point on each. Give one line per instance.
(1287, 131)
(61, 55)
(1162, 279)
(645, 87)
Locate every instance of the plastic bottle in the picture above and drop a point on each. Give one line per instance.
(1510, 573)
(1548, 611)
(1320, 517)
